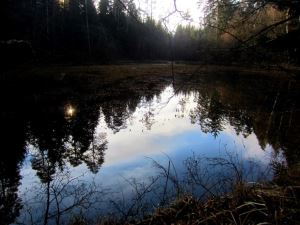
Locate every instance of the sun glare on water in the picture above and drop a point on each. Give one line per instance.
(70, 111)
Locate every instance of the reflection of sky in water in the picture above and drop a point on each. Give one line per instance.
(171, 133)
(160, 127)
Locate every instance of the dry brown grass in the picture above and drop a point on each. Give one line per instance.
(115, 72)
(269, 203)
(248, 205)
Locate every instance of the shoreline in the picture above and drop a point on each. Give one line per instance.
(121, 70)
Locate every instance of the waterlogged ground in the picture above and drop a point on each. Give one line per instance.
(121, 140)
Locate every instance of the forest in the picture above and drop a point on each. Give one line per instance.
(78, 31)
(113, 115)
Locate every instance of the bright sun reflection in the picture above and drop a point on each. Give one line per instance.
(70, 111)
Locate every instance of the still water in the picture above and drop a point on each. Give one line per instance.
(93, 147)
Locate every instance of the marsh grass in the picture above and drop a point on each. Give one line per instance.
(232, 199)
(119, 71)
(272, 202)
(266, 204)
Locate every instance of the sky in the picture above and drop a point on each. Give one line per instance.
(161, 8)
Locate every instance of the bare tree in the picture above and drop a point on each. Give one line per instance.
(59, 198)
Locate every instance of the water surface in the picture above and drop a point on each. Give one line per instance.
(76, 134)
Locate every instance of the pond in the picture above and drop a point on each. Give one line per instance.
(92, 146)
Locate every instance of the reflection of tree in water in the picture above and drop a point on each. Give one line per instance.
(83, 144)
(61, 137)
(58, 140)
(241, 122)
(94, 158)
(47, 133)
(148, 116)
(182, 107)
(12, 140)
(116, 113)
(278, 123)
(55, 139)
(266, 106)
(74, 140)
(208, 113)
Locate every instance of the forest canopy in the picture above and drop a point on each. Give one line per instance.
(80, 30)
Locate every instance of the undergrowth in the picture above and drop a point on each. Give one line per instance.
(262, 203)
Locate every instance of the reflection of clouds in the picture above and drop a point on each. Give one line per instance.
(27, 173)
(147, 125)
(249, 147)
(136, 140)
(171, 133)
(140, 169)
(128, 145)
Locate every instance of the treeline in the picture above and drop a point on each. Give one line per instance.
(77, 30)
(243, 32)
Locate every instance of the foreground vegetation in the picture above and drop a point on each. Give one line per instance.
(261, 205)
(274, 202)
